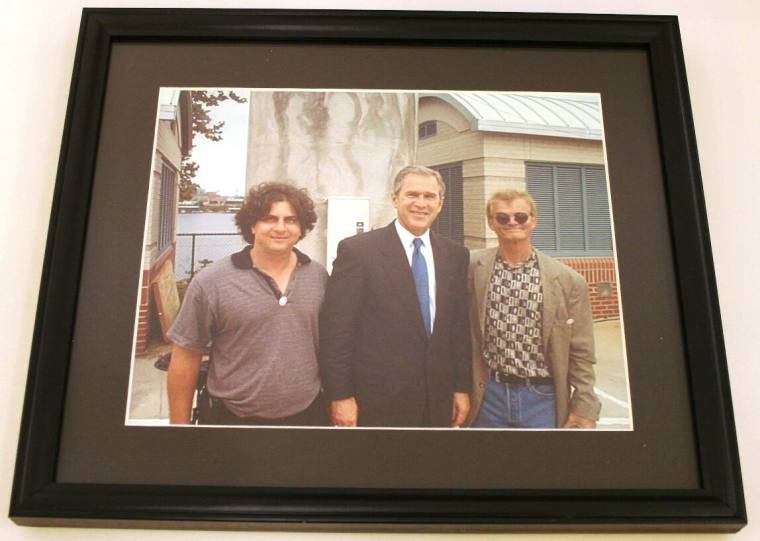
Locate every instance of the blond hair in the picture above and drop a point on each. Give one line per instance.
(508, 196)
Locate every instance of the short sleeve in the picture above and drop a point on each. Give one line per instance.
(194, 324)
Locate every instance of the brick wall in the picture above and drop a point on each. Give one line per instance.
(599, 273)
(144, 314)
(142, 317)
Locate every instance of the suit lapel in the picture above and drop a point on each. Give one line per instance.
(398, 272)
(549, 277)
(481, 274)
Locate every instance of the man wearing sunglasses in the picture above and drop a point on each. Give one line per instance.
(532, 334)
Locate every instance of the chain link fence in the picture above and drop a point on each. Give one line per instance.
(197, 250)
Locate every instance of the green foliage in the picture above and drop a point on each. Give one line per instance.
(202, 102)
(203, 263)
(183, 283)
(187, 188)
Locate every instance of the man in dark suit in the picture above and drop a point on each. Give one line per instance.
(394, 330)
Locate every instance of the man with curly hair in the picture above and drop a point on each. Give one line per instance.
(255, 314)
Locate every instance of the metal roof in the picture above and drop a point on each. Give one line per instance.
(552, 114)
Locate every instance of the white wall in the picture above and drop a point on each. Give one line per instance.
(720, 41)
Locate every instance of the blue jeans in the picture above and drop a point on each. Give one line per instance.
(517, 405)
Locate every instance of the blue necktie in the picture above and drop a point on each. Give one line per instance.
(420, 273)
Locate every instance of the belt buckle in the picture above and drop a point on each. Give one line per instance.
(498, 377)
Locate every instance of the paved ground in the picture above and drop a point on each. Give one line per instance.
(611, 376)
(149, 405)
(148, 402)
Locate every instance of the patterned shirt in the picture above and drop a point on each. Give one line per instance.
(513, 342)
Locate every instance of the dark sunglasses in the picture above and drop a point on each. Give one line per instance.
(503, 218)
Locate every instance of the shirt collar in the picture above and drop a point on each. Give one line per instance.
(407, 237)
(529, 263)
(242, 259)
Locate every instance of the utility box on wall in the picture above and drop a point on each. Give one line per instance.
(346, 217)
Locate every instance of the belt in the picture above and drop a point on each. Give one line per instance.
(498, 377)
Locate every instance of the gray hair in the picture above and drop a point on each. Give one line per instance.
(418, 170)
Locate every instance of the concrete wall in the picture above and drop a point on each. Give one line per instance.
(334, 144)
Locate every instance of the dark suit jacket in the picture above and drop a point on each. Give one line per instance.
(373, 344)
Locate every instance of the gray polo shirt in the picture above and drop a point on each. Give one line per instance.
(263, 350)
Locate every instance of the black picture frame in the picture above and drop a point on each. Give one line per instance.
(38, 497)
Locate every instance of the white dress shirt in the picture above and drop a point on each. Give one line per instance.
(407, 241)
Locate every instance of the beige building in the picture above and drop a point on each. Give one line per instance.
(173, 141)
(550, 144)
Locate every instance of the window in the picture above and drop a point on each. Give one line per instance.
(166, 212)
(450, 222)
(573, 210)
(428, 129)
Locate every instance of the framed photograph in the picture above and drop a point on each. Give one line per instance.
(331, 144)
(179, 121)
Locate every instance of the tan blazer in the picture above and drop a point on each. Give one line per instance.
(567, 331)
